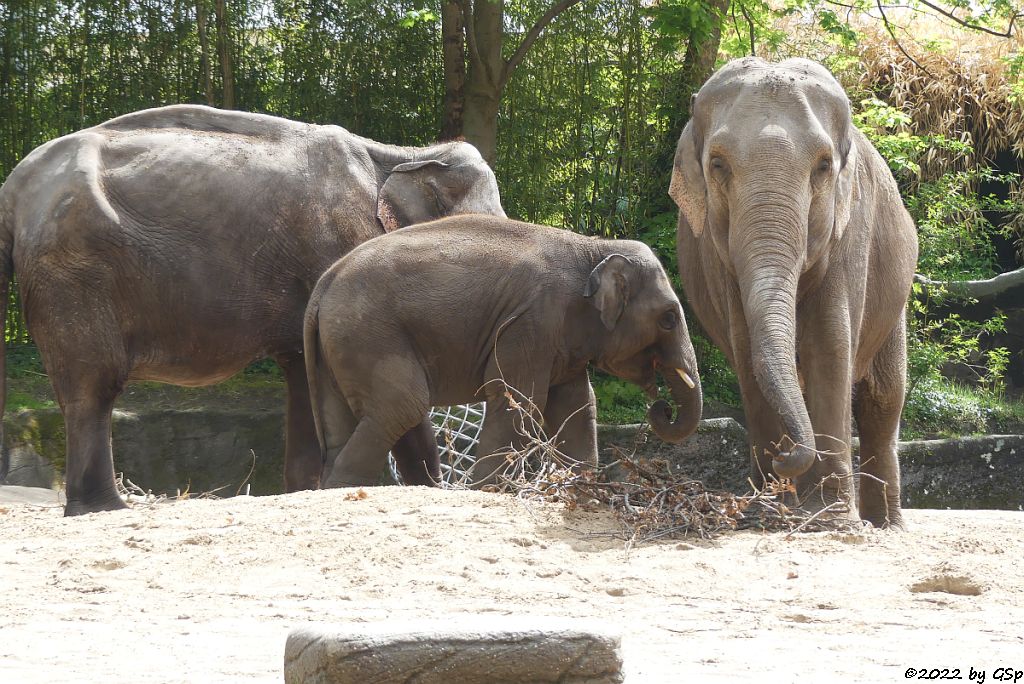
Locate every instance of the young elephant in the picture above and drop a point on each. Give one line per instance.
(441, 313)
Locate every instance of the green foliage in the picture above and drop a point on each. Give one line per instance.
(618, 402)
(954, 229)
(750, 29)
(955, 237)
(678, 21)
(936, 343)
(416, 16)
(717, 378)
(264, 369)
(831, 24)
(886, 126)
(24, 360)
(18, 399)
(940, 408)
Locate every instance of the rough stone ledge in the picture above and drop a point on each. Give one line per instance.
(982, 472)
(467, 649)
(165, 450)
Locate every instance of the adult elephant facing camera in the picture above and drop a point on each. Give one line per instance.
(179, 244)
(797, 256)
(472, 306)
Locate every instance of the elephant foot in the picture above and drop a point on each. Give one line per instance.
(827, 502)
(338, 480)
(111, 502)
(887, 521)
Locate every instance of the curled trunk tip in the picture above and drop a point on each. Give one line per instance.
(688, 399)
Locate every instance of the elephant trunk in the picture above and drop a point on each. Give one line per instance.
(684, 384)
(768, 272)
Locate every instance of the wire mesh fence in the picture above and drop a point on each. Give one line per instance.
(458, 432)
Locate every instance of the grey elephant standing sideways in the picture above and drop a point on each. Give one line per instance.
(797, 256)
(440, 313)
(180, 244)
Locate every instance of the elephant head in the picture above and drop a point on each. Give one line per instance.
(765, 169)
(645, 331)
(454, 179)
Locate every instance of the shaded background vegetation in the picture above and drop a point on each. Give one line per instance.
(586, 121)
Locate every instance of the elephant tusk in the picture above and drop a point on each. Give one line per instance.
(686, 378)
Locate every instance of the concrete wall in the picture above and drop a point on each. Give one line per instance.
(167, 451)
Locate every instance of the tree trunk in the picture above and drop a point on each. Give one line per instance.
(698, 65)
(224, 49)
(485, 77)
(204, 51)
(454, 54)
(488, 71)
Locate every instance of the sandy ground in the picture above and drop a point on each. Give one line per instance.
(207, 590)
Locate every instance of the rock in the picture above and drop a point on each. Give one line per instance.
(465, 649)
(968, 472)
(30, 495)
(162, 450)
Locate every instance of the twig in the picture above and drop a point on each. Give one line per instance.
(892, 34)
(830, 507)
(251, 470)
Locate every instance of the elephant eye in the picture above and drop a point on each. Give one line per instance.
(825, 166)
(668, 320)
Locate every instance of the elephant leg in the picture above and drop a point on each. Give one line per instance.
(571, 413)
(89, 463)
(877, 404)
(391, 412)
(514, 404)
(417, 456)
(826, 365)
(88, 366)
(302, 458)
(764, 427)
(361, 461)
(337, 423)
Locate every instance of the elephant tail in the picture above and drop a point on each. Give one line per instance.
(6, 273)
(312, 356)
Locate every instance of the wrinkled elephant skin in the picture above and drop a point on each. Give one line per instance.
(179, 244)
(797, 256)
(474, 307)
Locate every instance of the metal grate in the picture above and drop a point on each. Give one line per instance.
(458, 432)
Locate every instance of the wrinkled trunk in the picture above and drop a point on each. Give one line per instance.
(768, 273)
(689, 404)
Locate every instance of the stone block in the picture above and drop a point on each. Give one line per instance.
(464, 649)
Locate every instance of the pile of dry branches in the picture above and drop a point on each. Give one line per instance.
(651, 502)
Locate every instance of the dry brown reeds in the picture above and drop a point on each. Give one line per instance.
(963, 91)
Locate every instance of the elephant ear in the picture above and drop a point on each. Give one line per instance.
(411, 195)
(847, 189)
(688, 188)
(608, 285)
